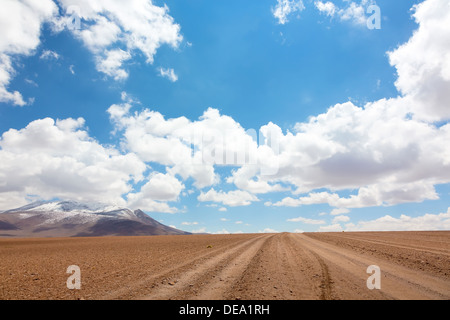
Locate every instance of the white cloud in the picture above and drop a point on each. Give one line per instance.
(112, 27)
(243, 179)
(375, 195)
(31, 82)
(353, 11)
(338, 211)
(110, 63)
(329, 8)
(423, 63)
(339, 219)
(268, 230)
(161, 187)
(112, 30)
(168, 73)
(189, 223)
(20, 22)
(201, 230)
(49, 159)
(232, 198)
(49, 55)
(404, 223)
(285, 8)
(153, 196)
(390, 151)
(223, 209)
(306, 220)
(187, 148)
(223, 231)
(135, 201)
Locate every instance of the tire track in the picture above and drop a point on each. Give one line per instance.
(222, 283)
(314, 259)
(282, 269)
(398, 282)
(444, 252)
(140, 287)
(208, 279)
(326, 279)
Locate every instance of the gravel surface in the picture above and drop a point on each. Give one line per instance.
(313, 266)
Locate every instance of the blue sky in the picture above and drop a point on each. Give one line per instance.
(106, 110)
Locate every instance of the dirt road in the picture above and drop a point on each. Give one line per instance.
(283, 266)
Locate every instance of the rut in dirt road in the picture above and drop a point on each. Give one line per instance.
(296, 267)
(283, 270)
(284, 266)
(211, 278)
(348, 270)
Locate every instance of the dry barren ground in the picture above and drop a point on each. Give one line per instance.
(414, 265)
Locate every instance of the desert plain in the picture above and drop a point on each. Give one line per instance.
(284, 266)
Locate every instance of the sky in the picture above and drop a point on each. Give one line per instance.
(231, 116)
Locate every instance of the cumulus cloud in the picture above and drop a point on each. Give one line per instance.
(355, 13)
(339, 219)
(427, 222)
(328, 8)
(338, 211)
(20, 22)
(49, 159)
(58, 159)
(114, 30)
(389, 151)
(285, 8)
(188, 148)
(385, 150)
(423, 63)
(232, 198)
(110, 63)
(154, 195)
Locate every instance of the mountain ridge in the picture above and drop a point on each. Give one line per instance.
(77, 219)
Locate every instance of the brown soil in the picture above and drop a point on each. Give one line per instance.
(414, 265)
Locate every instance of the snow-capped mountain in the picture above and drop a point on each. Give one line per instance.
(67, 206)
(75, 219)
